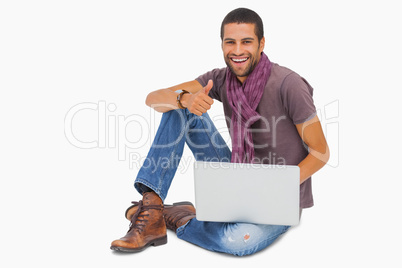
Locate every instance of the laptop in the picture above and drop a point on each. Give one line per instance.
(250, 193)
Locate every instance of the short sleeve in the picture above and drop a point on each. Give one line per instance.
(218, 76)
(297, 97)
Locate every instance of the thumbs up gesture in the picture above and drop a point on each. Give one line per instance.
(208, 87)
(200, 102)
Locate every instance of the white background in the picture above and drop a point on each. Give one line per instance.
(62, 205)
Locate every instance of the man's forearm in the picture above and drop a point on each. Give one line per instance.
(313, 136)
(311, 165)
(162, 100)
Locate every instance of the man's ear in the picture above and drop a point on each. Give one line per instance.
(262, 44)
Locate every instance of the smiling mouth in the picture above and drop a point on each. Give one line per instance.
(239, 60)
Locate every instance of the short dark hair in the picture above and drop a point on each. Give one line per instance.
(244, 15)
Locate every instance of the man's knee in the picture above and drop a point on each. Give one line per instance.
(246, 239)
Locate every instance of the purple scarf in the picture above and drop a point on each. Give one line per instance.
(244, 100)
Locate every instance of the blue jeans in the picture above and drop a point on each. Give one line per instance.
(178, 127)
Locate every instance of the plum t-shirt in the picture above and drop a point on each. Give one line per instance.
(286, 101)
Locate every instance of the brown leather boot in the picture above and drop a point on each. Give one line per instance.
(178, 215)
(175, 215)
(147, 226)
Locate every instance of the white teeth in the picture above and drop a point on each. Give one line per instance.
(240, 60)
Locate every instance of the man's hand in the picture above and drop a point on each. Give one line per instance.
(199, 102)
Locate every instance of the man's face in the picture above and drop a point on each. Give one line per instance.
(241, 48)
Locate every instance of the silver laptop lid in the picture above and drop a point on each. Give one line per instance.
(253, 193)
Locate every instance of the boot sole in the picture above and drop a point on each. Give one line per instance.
(181, 203)
(157, 242)
(174, 204)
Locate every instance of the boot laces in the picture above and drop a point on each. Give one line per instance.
(138, 219)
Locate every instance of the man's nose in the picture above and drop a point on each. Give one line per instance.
(238, 50)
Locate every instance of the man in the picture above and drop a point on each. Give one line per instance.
(271, 117)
